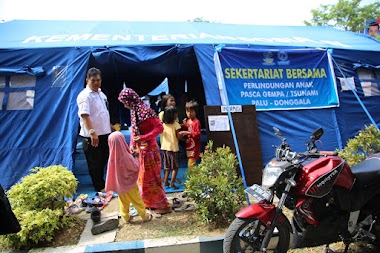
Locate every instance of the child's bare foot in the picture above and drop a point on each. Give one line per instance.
(177, 181)
(174, 186)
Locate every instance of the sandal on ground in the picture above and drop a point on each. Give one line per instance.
(177, 203)
(183, 196)
(78, 201)
(148, 217)
(73, 209)
(93, 201)
(106, 199)
(163, 211)
(154, 214)
(187, 207)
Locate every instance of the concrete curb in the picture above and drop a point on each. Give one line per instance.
(160, 245)
(167, 245)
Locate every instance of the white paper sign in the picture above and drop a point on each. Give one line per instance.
(218, 123)
(233, 108)
(347, 86)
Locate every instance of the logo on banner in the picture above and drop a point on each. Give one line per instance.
(268, 59)
(283, 58)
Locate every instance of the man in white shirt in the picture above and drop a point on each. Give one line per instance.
(95, 127)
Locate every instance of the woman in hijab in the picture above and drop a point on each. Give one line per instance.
(122, 174)
(145, 128)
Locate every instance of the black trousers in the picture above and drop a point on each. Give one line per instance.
(97, 158)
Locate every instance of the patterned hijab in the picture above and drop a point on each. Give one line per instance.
(140, 111)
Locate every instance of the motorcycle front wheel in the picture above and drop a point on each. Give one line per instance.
(246, 235)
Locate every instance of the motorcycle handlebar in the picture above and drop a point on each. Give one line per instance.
(318, 154)
(329, 153)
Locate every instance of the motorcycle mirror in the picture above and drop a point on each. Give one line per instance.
(277, 131)
(316, 135)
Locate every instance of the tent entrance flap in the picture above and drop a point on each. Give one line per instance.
(145, 70)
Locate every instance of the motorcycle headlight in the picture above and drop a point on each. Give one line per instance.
(270, 174)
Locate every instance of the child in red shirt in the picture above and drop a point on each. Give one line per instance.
(193, 140)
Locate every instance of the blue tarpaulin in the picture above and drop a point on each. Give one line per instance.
(39, 122)
(162, 88)
(28, 34)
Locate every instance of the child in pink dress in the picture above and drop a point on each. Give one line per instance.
(122, 175)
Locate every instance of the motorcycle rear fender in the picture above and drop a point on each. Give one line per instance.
(262, 211)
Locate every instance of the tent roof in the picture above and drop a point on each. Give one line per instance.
(61, 33)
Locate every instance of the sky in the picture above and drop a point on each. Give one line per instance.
(256, 12)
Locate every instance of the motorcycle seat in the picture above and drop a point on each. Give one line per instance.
(367, 171)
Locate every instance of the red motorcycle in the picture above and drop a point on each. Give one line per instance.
(331, 202)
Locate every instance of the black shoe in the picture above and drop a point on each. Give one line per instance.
(104, 226)
(95, 215)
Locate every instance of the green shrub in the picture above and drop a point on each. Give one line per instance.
(367, 142)
(215, 186)
(38, 203)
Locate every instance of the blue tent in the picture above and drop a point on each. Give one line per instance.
(43, 66)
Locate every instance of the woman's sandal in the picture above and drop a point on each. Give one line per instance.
(162, 211)
(177, 203)
(187, 207)
(183, 196)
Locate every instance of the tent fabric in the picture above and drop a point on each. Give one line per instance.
(162, 88)
(46, 134)
(146, 53)
(38, 33)
(34, 71)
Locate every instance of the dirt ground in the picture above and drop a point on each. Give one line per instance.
(63, 237)
(187, 224)
(67, 236)
(173, 224)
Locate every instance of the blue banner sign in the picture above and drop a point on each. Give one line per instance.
(278, 79)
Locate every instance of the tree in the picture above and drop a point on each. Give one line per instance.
(348, 15)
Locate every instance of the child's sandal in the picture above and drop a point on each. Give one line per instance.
(148, 217)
